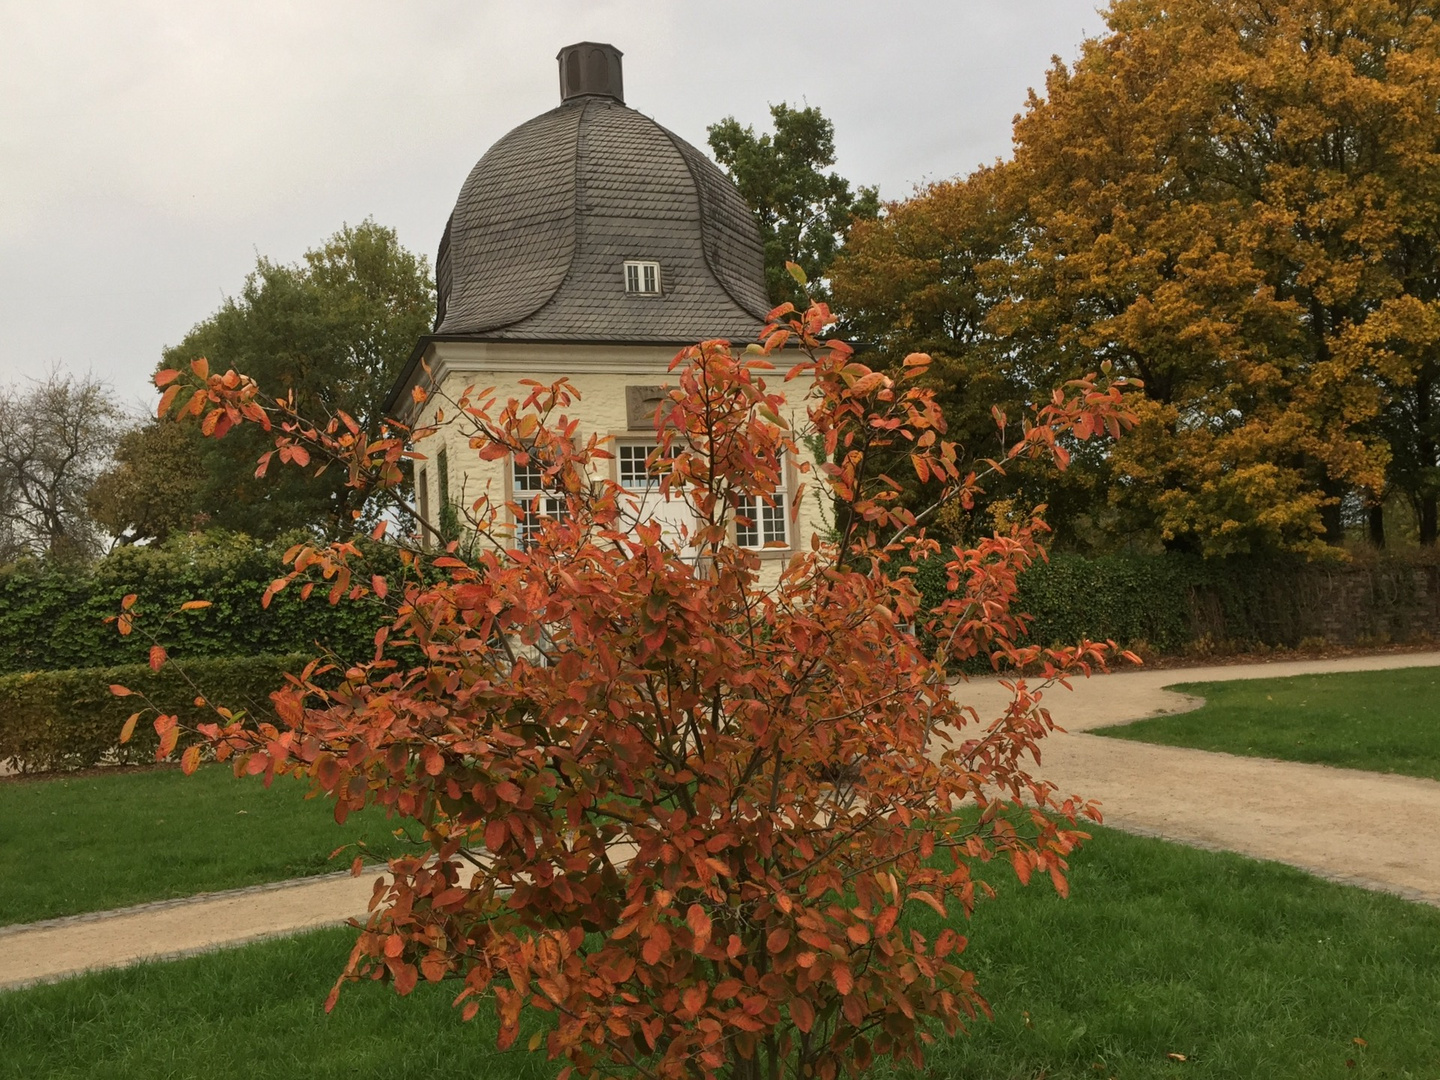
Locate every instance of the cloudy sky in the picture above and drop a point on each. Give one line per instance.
(151, 149)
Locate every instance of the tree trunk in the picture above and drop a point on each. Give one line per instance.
(1428, 451)
(1376, 521)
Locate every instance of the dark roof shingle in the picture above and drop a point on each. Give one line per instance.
(545, 221)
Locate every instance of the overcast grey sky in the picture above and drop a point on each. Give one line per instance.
(150, 149)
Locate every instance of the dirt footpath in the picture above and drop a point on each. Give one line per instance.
(1379, 831)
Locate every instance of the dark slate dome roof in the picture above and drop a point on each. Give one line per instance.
(536, 247)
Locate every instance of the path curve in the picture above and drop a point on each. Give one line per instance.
(1377, 830)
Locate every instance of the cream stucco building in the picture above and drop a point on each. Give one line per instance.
(591, 243)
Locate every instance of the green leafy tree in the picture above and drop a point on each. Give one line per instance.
(804, 212)
(331, 331)
(150, 490)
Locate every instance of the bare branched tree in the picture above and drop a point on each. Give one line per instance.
(56, 436)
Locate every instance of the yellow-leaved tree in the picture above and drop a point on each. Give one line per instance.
(1237, 203)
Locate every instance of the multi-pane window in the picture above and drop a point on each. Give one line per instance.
(637, 473)
(639, 470)
(761, 522)
(642, 277)
(533, 500)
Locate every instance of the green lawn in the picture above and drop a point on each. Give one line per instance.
(1251, 970)
(1385, 721)
(103, 841)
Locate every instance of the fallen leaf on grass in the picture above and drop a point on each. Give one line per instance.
(1176, 1057)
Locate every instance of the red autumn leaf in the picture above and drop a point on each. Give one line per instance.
(129, 728)
(195, 605)
(495, 835)
(803, 1013)
(699, 924)
(406, 976)
(929, 900)
(693, 998)
(157, 657)
(327, 771)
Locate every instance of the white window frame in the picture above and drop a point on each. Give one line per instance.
(763, 524)
(642, 277)
(760, 524)
(639, 477)
(533, 501)
(632, 457)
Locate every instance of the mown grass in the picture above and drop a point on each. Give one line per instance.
(98, 841)
(1384, 721)
(1250, 970)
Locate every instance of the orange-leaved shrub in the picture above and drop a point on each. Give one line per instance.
(678, 809)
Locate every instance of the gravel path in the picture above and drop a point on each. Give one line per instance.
(50, 950)
(1382, 832)
(1370, 829)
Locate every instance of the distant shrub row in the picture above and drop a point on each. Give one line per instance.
(1178, 603)
(54, 617)
(70, 719)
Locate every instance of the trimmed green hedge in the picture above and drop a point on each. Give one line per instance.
(69, 719)
(54, 618)
(1178, 603)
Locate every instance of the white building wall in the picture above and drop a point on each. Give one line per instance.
(601, 375)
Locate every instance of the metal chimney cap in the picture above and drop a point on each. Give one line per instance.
(590, 67)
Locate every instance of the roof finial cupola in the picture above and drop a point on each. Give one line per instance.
(589, 67)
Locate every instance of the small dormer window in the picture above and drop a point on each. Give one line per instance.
(642, 277)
